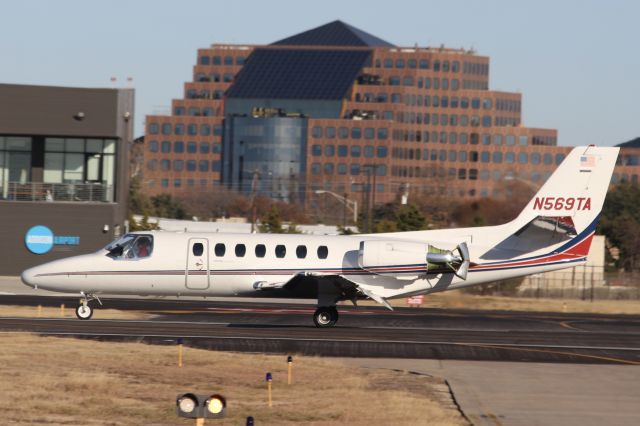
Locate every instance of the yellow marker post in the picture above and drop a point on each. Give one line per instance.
(269, 379)
(200, 421)
(39, 311)
(62, 310)
(180, 354)
(289, 367)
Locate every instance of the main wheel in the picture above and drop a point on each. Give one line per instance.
(84, 312)
(325, 316)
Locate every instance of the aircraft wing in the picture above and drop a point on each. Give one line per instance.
(351, 290)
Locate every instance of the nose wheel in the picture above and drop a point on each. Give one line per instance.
(84, 311)
(325, 316)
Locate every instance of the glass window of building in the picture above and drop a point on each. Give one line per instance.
(462, 174)
(205, 60)
(204, 147)
(192, 147)
(179, 110)
(497, 157)
(178, 129)
(203, 165)
(412, 63)
(436, 65)
(216, 60)
(216, 148)
(453, 138)
(407, 81)
(152, 164)
(436, 83)
(485, 156)
(153, 146)
(383, 133)
(240, 60)
(497, 139)
(164, 183)
(464, 138)
(369, 132)
(344, 133)
(153, 128)
(510, 158)
(559, 158)
(205, 130)
(355, 169)
(191, 165)
(381, 151)
(368, 151)
(329, 150)
(486, 121)
(475, 103)
(228, 60)
(523, 140)
(316, 150)
(356, 132)
(394, 80)
(486, 103)
(217, 130)
(342, 169)
(261, 250)
(399, 63)
(424, 64)
(178, 147)
(330, 132)
(464, 103)
(177, 183)
(192, 129)
(388, 63)
(315, 168)
(523, 158)
(355, 151)
(216, 165)
(343, 150)
(427, 83)
(455, 84)
(316, 132)
(535, 158)
(166, 128)
(511, 140)
(473, 156)
(462, 156)
(453, 155)
(328, 168)
(445, 84)
(547, 159)
(178, 165)
(165, 165)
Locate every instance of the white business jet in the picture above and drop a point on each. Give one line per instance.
(554, 231)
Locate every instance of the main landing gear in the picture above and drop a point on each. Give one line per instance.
(84, 311)
(325, 316)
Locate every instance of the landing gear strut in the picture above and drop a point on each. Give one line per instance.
(325, 316)
(84, 311)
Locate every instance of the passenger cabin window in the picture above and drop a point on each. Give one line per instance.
(197, 249)
(241, 250)
(301, 252)
(131, 246)
(323, 252)
(220, 249)
(261, 250)
(280, 251)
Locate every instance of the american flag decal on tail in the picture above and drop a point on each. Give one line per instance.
(587, 161)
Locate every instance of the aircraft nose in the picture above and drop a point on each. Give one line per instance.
(28, 277)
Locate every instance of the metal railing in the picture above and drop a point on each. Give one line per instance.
(57, 192)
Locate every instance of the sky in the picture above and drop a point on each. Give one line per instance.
(576, 62)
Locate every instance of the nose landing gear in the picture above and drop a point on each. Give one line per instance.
(84, 311)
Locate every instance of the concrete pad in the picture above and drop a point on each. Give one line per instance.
(512, 393)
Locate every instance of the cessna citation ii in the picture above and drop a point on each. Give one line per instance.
(554, 231)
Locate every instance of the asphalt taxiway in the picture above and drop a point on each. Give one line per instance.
(361, 332)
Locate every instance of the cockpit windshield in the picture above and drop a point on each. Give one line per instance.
(131, 246)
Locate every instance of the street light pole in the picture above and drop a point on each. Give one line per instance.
(350, 204)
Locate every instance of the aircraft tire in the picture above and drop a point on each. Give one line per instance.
(325, 316)
(84, 312)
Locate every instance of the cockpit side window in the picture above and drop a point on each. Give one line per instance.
(131, 246)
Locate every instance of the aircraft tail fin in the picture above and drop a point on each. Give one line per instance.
(576, 189)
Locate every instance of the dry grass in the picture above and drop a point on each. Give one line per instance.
(69, 312)
(458, 300)
(57, 381)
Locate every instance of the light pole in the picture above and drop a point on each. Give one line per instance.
(350, 204)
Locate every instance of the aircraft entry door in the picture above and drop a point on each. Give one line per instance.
(197, 272)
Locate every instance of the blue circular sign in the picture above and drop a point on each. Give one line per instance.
(39, 239)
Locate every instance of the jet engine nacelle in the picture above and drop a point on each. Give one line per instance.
(382, 257)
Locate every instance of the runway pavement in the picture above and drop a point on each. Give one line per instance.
(361, 332)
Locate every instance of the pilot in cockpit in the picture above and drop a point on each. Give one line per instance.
(142, 247)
